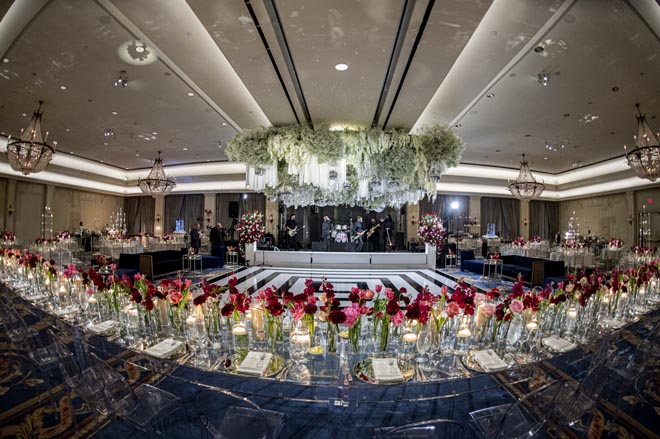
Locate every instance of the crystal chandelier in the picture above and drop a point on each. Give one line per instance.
(30, 152)
(645, 158)
(526, 187)
(157, 183)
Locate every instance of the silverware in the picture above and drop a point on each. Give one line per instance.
(285, 370)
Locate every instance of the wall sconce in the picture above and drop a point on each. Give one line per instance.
(413, 220)
(10, 210)
(630, 219)
(525, 222)
(158, 217)
(270, 218)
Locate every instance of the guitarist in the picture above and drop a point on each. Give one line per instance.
(373, 235)
(291, 227)
(357, 229)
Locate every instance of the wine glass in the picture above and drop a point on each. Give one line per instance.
(83, 302)
(423, 344)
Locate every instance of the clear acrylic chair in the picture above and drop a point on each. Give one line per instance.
(630, 367)
(521, 419)
(579, 399)
(143, 406)
(224, 414)
(433, 428)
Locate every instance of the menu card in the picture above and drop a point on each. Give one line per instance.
(489, 360)
(558, 344)
(165, 348)
(104, 327)
(386, 370)
(255, 363)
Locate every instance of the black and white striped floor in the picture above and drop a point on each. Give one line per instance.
(254, 279)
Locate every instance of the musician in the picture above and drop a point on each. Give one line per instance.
(357, 230)
(387, 229)
(326, 229)
(291, 227)
(373, 235)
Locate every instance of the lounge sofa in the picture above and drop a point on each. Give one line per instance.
(533, 270)
(153, 264)
(128, 264)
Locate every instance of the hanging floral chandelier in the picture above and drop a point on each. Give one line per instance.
(526, 187)
(645, 158)
(30, 153)
(157, 183)
(371, 168)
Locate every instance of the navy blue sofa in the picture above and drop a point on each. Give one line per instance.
(534, 271)
(153, 264)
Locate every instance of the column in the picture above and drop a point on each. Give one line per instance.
(524, 219)
(271, 216)
(209, 206)
(475, 213)
(10, 219)
(159, 215)
(412, 213)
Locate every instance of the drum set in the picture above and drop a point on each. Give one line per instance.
(340, 233)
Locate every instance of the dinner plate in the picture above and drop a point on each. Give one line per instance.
(232, 363)
(363, 371)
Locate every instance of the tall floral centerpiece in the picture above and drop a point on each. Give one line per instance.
(386, 310)
(519, 242)
(273, 309)
(251, 228)
(8, 237)
(177, 293)
(430, 229)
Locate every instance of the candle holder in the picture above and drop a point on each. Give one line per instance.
(299, 344)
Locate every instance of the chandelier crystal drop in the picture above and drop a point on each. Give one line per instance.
(157, 183)
(526, 187)
(30, 153)
(645, 158)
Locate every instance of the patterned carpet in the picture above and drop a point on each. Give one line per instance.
(34, 404)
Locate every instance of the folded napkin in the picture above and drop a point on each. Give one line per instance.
(558, 344)
(489, 360)
(609, 322)
(386, 370)
(104, 327)
(165, 348)
(255, 363)
(69, 310)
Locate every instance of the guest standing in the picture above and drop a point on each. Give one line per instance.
(217, 238)
(195, 238)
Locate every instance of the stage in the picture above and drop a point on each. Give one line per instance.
(311, 259)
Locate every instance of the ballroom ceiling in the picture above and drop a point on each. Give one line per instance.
(211, 68)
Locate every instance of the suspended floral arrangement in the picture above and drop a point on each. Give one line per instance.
(371, 168)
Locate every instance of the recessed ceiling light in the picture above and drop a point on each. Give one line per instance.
(105, 143)
(154, 133)
(24, 114)
(341, 67)
(137, 155)
(458, 125)
(224, 123)
(114, 113)
(102, 161)
(191, 94)
(5, 59)
(539, 49)
(63, 87)
(208, 160)
(71, 153)
(545, 158)
(615, 89)
(185, 149)
(67, 129)
(490, 95)
(139, 49)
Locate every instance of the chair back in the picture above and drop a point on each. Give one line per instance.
(529, 413)
(118, 393)
(432, 428)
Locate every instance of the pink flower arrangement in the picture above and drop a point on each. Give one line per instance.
(430, 229)
(516, 306)
(250, 228)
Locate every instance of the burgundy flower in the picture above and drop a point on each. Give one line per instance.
(336, 317)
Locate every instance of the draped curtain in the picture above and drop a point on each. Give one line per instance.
(442, 206)
(189, 208)
(504, 213)
(139, 214)
(245, 204)
(544, 218)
